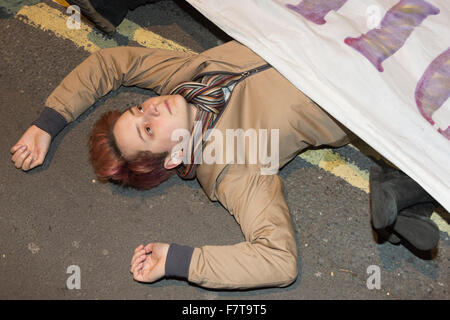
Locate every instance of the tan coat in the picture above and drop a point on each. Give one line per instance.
(264, 100)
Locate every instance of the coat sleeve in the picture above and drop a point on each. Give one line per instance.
(107, 70)
(268, 257)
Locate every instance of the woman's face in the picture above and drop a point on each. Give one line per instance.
(149, 126)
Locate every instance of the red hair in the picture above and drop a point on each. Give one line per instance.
(144, 172)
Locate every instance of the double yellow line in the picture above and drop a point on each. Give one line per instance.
(47, 18)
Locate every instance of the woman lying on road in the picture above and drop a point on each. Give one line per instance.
(227, 87)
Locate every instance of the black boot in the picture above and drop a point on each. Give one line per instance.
(378, 175)
(414, 225)
(105, 14)
(390, 192)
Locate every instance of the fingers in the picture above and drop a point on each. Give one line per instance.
(20, 155)
(15, 148)
(138, 263)
(139, 253)
(142, 263)
(140, 268)
(139, 248)
(142, 272)
(23, 158)
(137, 271)
(17, 151)
(36, 161)
(27, 162)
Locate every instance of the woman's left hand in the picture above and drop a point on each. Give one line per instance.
(148, 263)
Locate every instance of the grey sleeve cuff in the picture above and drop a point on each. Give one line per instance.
(50, 121)
(178, 261)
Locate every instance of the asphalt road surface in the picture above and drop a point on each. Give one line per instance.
(59, 215)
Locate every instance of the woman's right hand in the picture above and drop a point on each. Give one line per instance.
(31, 149)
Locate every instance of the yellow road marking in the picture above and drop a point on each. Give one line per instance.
(142, 36)
(441, 223)
(62, 2)
(334, 163)
(50, 19)
(348, 172)
(150, 39)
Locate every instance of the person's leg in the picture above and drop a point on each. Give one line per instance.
(401, 209)
(391, 191)
(107, 14)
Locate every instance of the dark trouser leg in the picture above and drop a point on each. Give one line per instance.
(133, 4)
(116, 10)
(113, 10)
(390, 192)
(107, 14)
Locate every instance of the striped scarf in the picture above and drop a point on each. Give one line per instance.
(209, 99)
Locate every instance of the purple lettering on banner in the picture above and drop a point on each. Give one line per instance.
(380, 43)
(432, 90)
(316, 10)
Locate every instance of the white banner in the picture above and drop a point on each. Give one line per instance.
(381, 67)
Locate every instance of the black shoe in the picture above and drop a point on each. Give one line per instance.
(390, 192)
(414, 225)
(105, 14)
